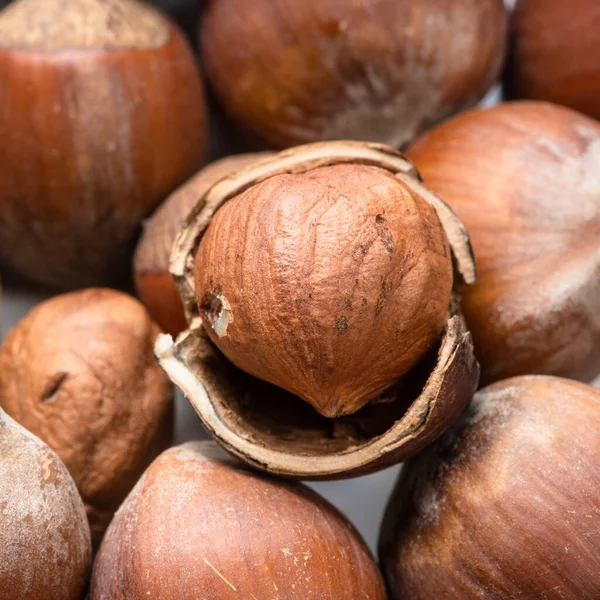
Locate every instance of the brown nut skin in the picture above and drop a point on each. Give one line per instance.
(274, 430)
(554, 53)
(523, 178)
(200, 525)
(505, 504)
(151, 276)
(331, 284)
(378, 70)
(103, 115)
(45, 549)
(79, 373)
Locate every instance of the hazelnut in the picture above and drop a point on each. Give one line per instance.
(200, 525)
(45, 549)
(523, 177)
(554, 53)
(325, 271)
(78, 372)
(102, 116)
(151, 260)
(505, 504)
(293, 72)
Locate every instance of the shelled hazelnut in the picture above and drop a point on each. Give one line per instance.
(294, 72)
(78, 372)
(151, 260)
(45, 548)
(200, 525)
(523, 177)
(320, 294)
(102, 116)
(554, 53)
(505, 504)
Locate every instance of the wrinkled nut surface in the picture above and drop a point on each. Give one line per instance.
(201, 525)
(331, 284)
(275, 430)
(505, 504)
(45, 549)
(152, 280)
(119, 123)
(523, 177)
(294, 72)
(79, 373)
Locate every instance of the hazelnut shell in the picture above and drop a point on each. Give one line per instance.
(523, 178)
(199, 524)
(273, 430)
(103, 115)
(45, 549)
(505, 504)
(79, 373)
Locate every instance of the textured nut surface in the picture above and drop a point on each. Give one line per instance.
(200, 525)
(151, 261)
(92, 137)
(377, 70)
(79, 373)
(331, 284)
(555, 50)
(45, 548)
(523, 177)
(505, 505)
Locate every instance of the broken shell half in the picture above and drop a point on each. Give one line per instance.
(276, 431)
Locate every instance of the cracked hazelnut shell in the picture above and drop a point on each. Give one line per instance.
(523, 178)
(294, 72)
(78, 372)
(505, 504)
(201, 525)
(554, 53)
(152, 280)
(269, 427)
(103, 115)
(45, 549)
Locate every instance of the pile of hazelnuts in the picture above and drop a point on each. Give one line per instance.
(375, 271)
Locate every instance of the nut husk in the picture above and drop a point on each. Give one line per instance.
(45, 549)
(293, 72)
(505, 504)
(274, 430)
(103, 115)
(201, 525)
(151, 276)
(79, 373)
(523, 178)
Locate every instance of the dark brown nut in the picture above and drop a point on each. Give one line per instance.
(78, 372)
(554, 53)
(200, 525)
(102, 116)
(523, 178)
(45, 548)
(345, 319)
(151, 260)
(293, 72)
(505, 504)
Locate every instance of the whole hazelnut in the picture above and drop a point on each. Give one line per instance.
(102, 116)
(325, 271)
(78, 372)
(554, 53)
(45, 549)
(199, 525)
(153, 282)
(523, 178)
(293, 72)
(505, 505)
